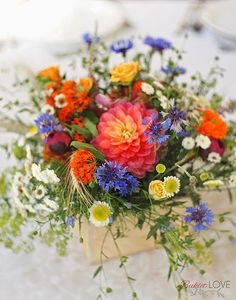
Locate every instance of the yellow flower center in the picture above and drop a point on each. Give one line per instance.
(127, 134)
(171, 186)
(101, 213)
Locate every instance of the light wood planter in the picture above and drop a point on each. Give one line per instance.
(135, 240)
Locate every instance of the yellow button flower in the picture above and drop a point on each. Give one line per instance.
(125, 73)
(156, 189)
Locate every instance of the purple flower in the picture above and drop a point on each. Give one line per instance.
(158, 44)
(233, 241)
(46, 124)
(156, 130)
(177, 119)
(201, 216)
(111, 176)
(122, 46)
(70, 221)
(88, 38)
(174, 70)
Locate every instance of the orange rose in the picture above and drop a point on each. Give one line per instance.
(125, 73)
(51, 73)
(86, 84)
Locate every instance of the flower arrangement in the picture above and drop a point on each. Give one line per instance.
(126, 140)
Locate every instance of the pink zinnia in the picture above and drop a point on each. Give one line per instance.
(121, 138)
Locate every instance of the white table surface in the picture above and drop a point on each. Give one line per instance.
(42, 275)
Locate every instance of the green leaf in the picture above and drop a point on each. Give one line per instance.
(84, 131)
(90, 126)
(161, 223)
(90, 148)
(98, 270)
(3, 185)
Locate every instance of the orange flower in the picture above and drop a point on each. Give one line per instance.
(82, 166)
(52, 73)
(77, 136)
(212, 125)
(86, 84)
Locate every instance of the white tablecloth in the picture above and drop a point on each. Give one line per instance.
(42, 275)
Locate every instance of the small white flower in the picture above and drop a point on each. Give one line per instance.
(100, 214)
(46, 176)
(39, 192)
(164, 102)
(188, 143)
(30, 208)
(49, 176)
(49, 109)
(42, 208)
(147, 88)
(232, 180)
(60, 101)
(203, 141)
(214, 157)
(36, 171)
(159, 85)
(51, 204)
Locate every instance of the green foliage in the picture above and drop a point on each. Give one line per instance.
(90, 148)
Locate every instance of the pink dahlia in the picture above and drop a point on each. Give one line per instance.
(121, 138)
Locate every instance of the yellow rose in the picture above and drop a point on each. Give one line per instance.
(125, 73)
(52, 73)
(157, 189)
(86, 84)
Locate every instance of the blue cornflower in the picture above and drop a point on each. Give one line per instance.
(233, 241)
(158, 44)
(122, 46)
(201, 216)
(111, 175)
(46, 124)
(156, 130)
(174, 70)
(70, 221)
(88, 38)
(177, 118)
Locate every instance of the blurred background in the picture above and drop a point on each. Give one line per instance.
(38, 33)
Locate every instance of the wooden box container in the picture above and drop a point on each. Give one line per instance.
(136, 240)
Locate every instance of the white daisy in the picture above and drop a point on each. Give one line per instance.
(147, 88)
(48, 109)
(60, 101)
(188, 143)
(203, 141)
(39, 192)
(214, 157)
(171, 185)
(100, 214)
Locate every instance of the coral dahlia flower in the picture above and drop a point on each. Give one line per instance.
(121, 138)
